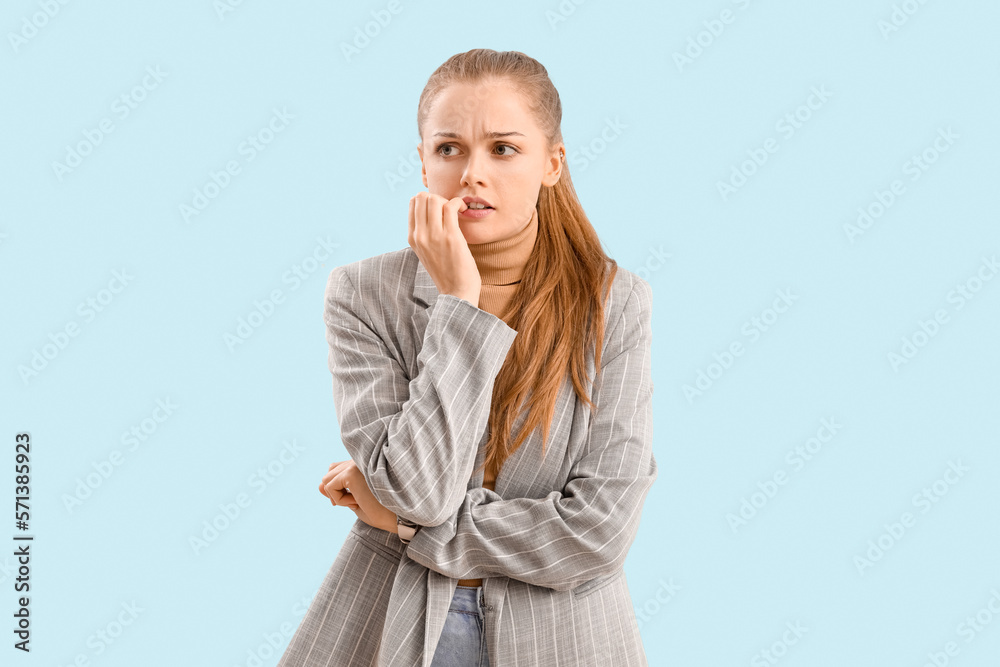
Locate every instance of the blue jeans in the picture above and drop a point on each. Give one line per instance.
(463, 640)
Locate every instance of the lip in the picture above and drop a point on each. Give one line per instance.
(477, 200)
(476, 213)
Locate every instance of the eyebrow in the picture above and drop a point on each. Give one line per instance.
(489, 135)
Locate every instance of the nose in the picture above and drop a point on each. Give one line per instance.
(475, 169)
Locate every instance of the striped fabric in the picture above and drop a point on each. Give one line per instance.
(413, 373)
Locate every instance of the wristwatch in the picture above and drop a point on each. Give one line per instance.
(407, 529)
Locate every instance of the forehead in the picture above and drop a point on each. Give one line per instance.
(471, 110)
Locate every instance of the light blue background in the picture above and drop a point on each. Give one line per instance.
(713, 263)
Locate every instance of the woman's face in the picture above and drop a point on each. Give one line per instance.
(480, 140)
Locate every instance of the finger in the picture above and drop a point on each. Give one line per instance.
(346, 499)
(420, 219)
(340, 478)
(322, 488)
(435, 223)
(335, 491)
(350, 507)
(412, 221)
(341, 485)
(334, 482)
(333, 494)
(354, 480)
(334, 471)
(336, 465)
(449, 215)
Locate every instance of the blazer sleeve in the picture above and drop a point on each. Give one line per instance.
(415, 440)
(585, 531)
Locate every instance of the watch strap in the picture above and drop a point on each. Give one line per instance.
(406, 529)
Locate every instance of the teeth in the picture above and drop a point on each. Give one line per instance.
(477, 205)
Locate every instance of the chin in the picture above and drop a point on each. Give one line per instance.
(474, 235)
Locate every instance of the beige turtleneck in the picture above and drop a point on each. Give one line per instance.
(501, 266)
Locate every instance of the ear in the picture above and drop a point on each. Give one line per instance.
(423, 167)
(553, 166)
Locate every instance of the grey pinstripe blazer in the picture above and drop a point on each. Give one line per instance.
(413, 373)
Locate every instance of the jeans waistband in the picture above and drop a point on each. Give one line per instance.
(467, 599)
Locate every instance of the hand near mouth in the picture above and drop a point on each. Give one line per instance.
(441, 247)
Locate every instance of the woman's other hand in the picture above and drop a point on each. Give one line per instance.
(345, 485)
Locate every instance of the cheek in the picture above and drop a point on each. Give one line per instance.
(443, 173)
(517, 185)
(521, 177)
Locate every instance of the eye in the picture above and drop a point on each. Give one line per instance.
(511, 153)
(438, 149)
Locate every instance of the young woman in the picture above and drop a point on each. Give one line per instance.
(493, 388)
